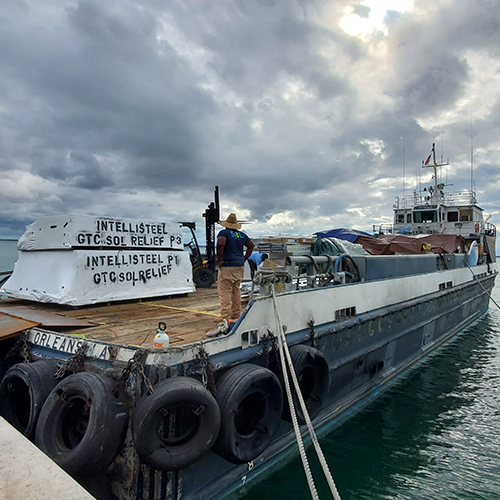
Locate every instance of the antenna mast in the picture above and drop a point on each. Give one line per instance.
(403, 167)
(471, 159)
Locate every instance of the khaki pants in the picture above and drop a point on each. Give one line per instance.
(228, 286)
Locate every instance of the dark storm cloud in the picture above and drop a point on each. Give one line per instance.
(430, 57)
(437, 86)
(142, 108)
(101, 85)
(80, 170)
(362, 10)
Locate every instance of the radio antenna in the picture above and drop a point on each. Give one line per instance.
(471, 158)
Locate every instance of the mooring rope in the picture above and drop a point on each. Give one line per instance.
(480, 284)
(284, 351)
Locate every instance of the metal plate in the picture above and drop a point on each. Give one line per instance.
(9, 325)
(45, 318)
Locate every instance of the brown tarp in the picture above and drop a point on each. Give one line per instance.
(390, 244)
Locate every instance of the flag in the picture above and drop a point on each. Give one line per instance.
(429, 157)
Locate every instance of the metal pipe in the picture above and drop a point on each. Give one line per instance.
(308, 259)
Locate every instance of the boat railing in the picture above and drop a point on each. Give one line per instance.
(466, 229)
(464, 197)
(490, 229)
(381, 229)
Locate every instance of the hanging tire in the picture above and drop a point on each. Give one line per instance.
(251, 402)
(176, 425)
(82, 424)
(203, 277)
(312, 373)
(23, 390)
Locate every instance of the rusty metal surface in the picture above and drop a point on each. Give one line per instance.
(41, 317)
(9, 325)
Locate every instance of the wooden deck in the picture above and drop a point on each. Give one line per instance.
(187, 317)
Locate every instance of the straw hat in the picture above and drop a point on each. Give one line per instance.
(231, 222)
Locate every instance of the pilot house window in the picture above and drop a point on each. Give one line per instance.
(425, 216)
(452, 216)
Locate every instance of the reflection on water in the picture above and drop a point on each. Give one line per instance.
(435, 435)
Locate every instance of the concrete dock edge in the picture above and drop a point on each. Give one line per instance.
(27, 473)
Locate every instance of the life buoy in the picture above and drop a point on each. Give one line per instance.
(23, 390)
(176, 425)
(83, 423)
(477, 228)
(312, 373)
(251, 402)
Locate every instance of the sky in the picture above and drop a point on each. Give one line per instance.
(309, 115)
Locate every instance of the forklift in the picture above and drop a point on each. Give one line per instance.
(204, 270)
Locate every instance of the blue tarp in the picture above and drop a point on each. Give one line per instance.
(342, 234)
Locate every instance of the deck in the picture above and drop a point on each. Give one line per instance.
(188, 318)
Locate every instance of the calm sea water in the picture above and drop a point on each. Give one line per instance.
(433, 435)
(8, 255)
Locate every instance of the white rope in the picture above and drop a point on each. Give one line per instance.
(222, 328)
(300, 443)
(477, 279)
(284, 351)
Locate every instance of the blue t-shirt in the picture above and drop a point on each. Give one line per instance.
(256, 257)
(233, 249)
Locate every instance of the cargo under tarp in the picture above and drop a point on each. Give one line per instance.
(62, 232)
(342, 234)
(81, 277)
(391, 244)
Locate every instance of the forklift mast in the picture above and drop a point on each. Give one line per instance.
(212, 216)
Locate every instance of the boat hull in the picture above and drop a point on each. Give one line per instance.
(348, 342)
(365, 354)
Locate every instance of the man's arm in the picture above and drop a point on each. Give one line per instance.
(250, 246)
(221, 243)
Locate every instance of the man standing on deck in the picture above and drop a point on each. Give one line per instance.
(230, 244)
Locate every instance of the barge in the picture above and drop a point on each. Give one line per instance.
(210, 413)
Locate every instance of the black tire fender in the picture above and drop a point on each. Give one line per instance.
(83, 423)
(23, 391)
(176, 425)
(251, 402)
(312, 372)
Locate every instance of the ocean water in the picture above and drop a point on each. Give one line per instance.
(433, 435)
(8, 255)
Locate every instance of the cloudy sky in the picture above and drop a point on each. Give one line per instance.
(305, 113)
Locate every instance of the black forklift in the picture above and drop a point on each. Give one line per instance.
(204, 269)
